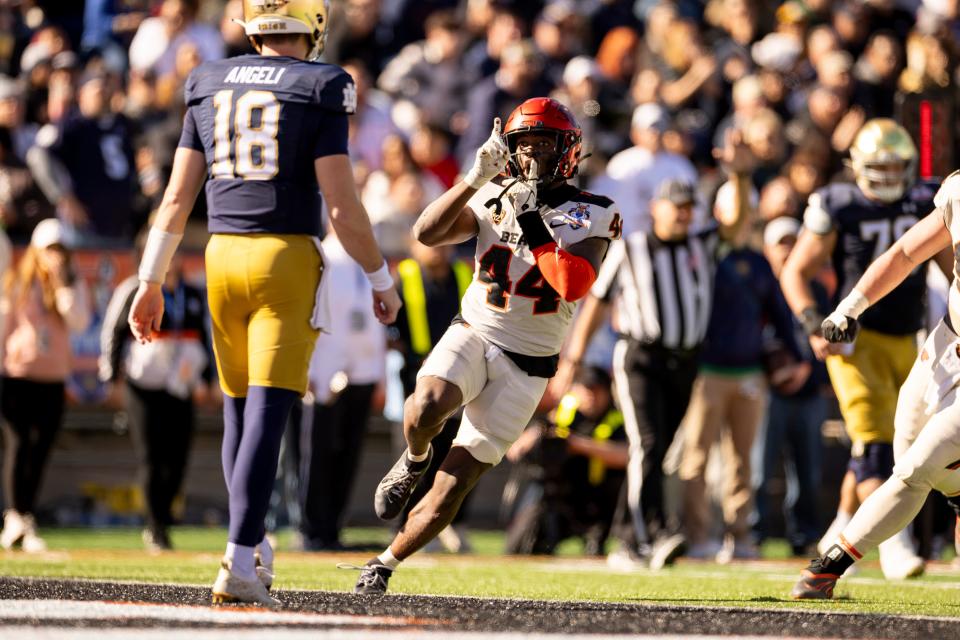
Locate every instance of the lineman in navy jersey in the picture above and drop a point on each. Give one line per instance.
(853, 224)
(539, 245)
(268, 130)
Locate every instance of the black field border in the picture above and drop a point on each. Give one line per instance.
(438, 613)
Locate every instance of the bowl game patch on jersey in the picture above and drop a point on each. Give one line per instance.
(576, 218)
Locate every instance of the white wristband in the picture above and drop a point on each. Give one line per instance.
(157, 254)
(853, 305)
(381, 280)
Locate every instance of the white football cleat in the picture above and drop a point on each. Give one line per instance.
(231, 588)
(264, 572)
(13, 529)
(898, 560)
(31, 541)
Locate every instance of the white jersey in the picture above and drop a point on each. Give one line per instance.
(509, 302)
(947, 202)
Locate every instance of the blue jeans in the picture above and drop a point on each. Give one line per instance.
(793, 430)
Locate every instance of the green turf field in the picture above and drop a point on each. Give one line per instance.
(117, 554)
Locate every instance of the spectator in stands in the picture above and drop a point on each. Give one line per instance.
(738, 23)
(370, 125)
(395, 195)
(632, 176)
(517, 79)
(835, 71)
(159, 38)
(826, 109)
(235, 39)
(763, 133)
(851, 21)
(109, 26)
(162, 382)
(482, 59)
(431, 148)
(689, 70)
(748, 100)
(876, 72)
(794, 418)
(346, 368)
(429, 74)
(777, 198)
(808, 169)
(558, 32)
(821, 40)
(13, 117)
(44, 302)
(170, 86)
(575, 465)
(86, 167)
(778, 57)
(930, 63)
(602, 114)
(360, 34)
(617, 58)
(22, 204)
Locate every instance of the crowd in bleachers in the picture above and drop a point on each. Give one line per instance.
(91, 108)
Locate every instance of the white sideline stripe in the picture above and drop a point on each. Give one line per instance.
(76, 610)
(34, 633)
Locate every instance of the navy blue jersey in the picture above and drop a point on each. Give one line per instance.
(261, 121)
(98, 154)
(865, 229)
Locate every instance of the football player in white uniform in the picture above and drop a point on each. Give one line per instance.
(540, 242)
(927, 422)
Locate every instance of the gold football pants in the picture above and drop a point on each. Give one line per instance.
(261, 289)
(867, 383)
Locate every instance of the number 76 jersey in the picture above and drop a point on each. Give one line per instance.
(261, 121)
(864, 230)
(509, 302)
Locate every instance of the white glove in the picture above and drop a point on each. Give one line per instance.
(524, 192)
(491, 159)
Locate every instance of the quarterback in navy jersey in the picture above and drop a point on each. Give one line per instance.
(270, 133)
(851, 225)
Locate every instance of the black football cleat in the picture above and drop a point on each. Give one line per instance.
(373, 579)
(815, 583)
(397, 486)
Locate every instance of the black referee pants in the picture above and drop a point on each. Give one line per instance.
(162, 426)
(336, 442)
(653, 387)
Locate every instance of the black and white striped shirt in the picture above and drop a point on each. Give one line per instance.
(663, 290)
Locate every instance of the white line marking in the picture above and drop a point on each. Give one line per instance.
(60, 610)
(33, 633)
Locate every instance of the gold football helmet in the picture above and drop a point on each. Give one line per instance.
(884, 159)
(309, 17)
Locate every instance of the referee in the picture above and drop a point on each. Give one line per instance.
(661, 282)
